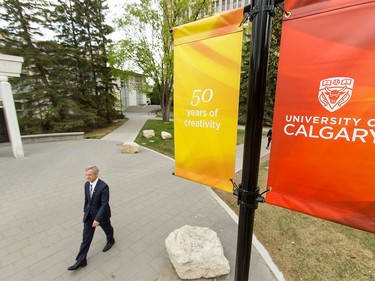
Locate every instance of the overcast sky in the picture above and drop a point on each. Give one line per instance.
(115, 11)
(115, 7)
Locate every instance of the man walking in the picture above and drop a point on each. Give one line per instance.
(96, 212)
(269, 136)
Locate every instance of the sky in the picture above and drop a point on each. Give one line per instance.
(115, 8)
(115, 11)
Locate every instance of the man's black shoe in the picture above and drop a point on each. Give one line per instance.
(78, 264)
(108, 246)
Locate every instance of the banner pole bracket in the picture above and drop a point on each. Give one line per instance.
(265, 8)
(251, 196)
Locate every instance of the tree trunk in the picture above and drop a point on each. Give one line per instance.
(166, 112)
(166, 100)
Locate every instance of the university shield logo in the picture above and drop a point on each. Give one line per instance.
(335, 92)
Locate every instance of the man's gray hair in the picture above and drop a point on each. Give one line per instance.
(93, 168)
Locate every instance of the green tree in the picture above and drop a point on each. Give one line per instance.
(148, 43)
(67, 29)
(66, 83)
(23, 21)
(245, 66)
(271, 75)
(81, 30)
(273, 64)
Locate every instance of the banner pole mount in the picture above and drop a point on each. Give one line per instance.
(242, 193)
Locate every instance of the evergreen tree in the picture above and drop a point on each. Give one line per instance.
(24, 20)
(271, 74)
(245, 66)
(97, 45)
(273, 64)
(66, 82)
(82, 32)
(67, 20)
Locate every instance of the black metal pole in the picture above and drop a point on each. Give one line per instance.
(248, 192)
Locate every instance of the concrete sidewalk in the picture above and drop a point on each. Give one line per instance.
(41, 206)
(129, 131)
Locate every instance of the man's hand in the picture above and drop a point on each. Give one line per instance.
(95, 223)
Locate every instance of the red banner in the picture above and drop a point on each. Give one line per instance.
(322, 159)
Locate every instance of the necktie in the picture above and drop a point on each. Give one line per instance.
(90, 190)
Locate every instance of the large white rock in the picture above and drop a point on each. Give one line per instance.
(196, 252)
(130, 147)
(165, 135)
(148, 133)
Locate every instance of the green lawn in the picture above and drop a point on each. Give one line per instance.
(166, 147)
(157, 143)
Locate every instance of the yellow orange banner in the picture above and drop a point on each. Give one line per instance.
(207, 63)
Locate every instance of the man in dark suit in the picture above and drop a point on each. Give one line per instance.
(96, 212)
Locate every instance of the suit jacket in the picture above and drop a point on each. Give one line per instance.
(98, 205)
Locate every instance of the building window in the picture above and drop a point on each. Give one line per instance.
(217, 6)
(223, 5)
(234, 4)
(228, 4)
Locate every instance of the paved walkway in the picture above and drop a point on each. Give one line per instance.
(129, 132)
(41, 206)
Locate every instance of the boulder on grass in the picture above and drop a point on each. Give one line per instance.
(196, 252)
(165, 135)
(148, 133)
(130, 148)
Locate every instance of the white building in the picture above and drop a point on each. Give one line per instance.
(130, 90)
(225, 5)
